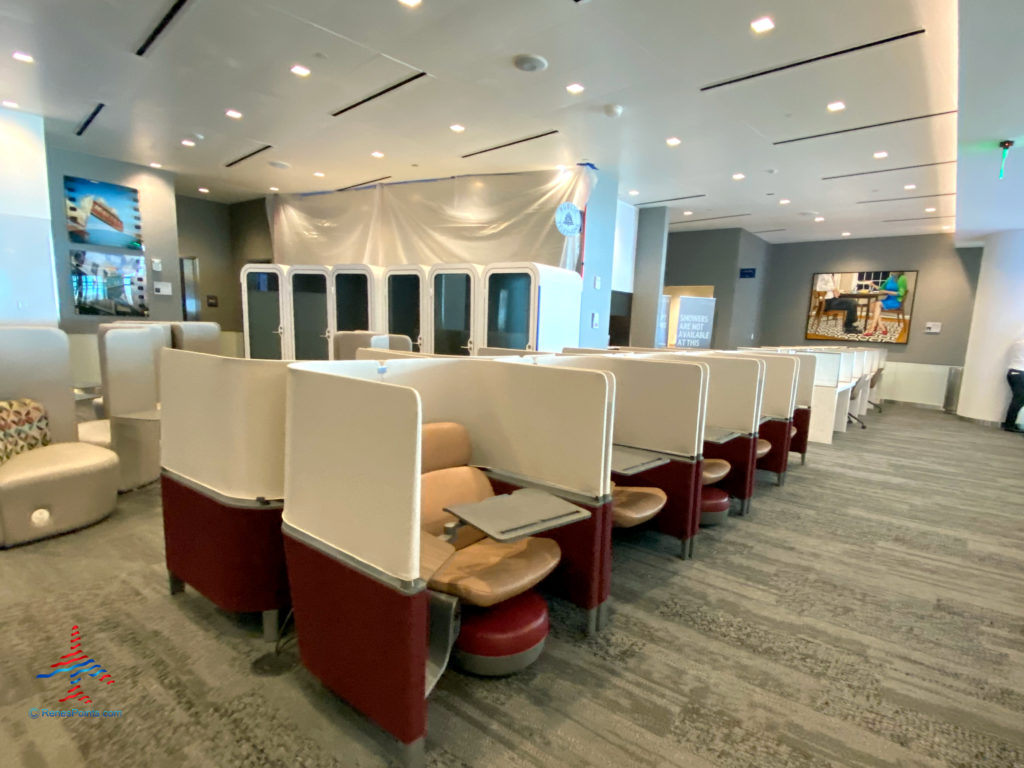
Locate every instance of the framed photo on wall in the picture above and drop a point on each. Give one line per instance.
(108, 284)
(862, 306)
(100, 213)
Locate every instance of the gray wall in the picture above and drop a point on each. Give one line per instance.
(946, 285)
(598, 257)
(715, 257)
(250, 233)
(204, 233)
(159, 230)
(648, 277)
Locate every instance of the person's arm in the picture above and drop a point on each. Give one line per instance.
(902, 284)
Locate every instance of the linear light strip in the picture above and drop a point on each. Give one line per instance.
(672, 199)
(161, 26)
(866, 127)
(511, 143)
(913, 197)
(88, 120)
(712, 218)
(887, 170)
(378, 94)
(251, 154)
(362, 184)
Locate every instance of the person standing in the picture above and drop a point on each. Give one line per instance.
(1015, 378)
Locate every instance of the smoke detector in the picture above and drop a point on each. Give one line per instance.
(613, 110)
(279, 164)
(530, 62)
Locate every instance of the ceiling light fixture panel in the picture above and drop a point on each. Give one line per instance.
(456, 128)
(410, 3)
(300, 71)
(377, 155)
(24, 58)
(673, 141)
(575, 89)
(9, 104)
(204, 191)
(881, 155)
(762, 25)
(836, 106)
(784, 201)
(234, 114)
(187, 143)
(739, 176)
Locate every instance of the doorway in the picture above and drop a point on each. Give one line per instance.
(190, 288)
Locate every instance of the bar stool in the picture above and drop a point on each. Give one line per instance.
(714, 502)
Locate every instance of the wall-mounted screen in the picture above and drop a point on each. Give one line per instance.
(862, 306)
(111, 284)
(105, 214)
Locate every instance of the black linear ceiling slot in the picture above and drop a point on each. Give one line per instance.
(161, 26)
(912, 197)
(511, 143)
(378, 94)
(362, 184)
(812, 60)
(886, 170)
(671, 199)
(766, 231)
(88, 120)
(712, 218)
(917, 218)
(865, 127)
(255, 152)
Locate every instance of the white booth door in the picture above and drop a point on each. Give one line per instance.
(453, 314)
(264, 302)
(352, 301)
(510, 310)
(309, 316)
(404, 307)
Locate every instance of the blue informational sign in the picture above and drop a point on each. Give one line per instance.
(569, 219)
(748, 272)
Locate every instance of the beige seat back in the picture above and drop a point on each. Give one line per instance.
(35, 362)
(128, 370)
(347, 343)
(447, 479)
(196, 337)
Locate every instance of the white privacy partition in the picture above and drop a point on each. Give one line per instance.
(781, 374)
(223, 422)
(807, 372)
(659, 405)
(734, 392)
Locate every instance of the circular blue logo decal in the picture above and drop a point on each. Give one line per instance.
(569, 219)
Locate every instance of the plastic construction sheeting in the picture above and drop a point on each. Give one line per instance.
(476, 219)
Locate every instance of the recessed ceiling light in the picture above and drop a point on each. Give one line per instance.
(274, 189)
(318, 174)
(738, 176)
(909, 187)
(187, 143)
(846, 234)
(9, 104)
(234, 114)
(836, 106)
(457, 128)
(634, 192)
(929, 210)
(155, 165)
(575, 89)
(25, 58)
(819, 219)
(881, 155)
(784, 201)
(687, 213)
(410, 3)
(301, 71)
(204, 190)
(673, 141)
(762, 25)
(378, 155)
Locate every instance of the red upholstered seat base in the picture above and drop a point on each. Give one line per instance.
(714, 506)
(504, 638)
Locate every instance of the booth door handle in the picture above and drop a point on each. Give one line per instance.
(325, 335)
(279, 331)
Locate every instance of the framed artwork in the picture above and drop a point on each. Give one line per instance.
(862, 306)
(110, 284)
(104, 214)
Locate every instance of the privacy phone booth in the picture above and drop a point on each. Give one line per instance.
(532, 307)
(455, 325)
(391, 576)
(222, 480)
(659, 432)
(266, 311)
(358, 297)
(311, 326)
(407, 295)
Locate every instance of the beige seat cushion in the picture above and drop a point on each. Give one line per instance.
(634, 505)
(714, 470)
(793, 431)
(763, 446)
(444, 444)
(489, 572)
(55, 488)
(95, 432)
(446, 487)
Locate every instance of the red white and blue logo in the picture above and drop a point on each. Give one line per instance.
(77, 663)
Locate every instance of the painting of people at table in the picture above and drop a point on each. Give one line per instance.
(862, 306)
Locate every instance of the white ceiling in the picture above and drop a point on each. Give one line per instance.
(650, 56)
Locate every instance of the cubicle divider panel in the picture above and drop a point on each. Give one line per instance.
(364, 639)
(740, 452)
(802, 422)
(846, 366)
(222, 421)
(777, 432)
(828, 368)
(781, 373)
(230, 552)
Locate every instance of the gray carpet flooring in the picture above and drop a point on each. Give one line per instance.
(869, 613)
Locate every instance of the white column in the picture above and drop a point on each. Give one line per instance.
(998, 319)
